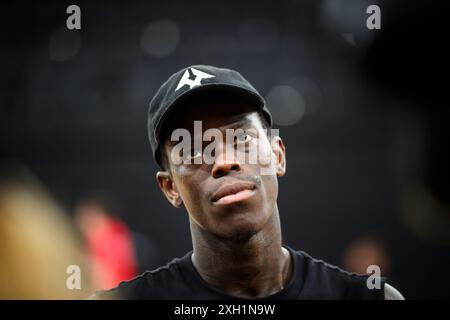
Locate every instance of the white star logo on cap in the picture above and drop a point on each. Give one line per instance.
(199, 76)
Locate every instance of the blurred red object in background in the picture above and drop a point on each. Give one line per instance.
(109, 243)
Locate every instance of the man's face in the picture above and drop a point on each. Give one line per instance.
(228, 196)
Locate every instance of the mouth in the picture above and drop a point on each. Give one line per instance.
(234, 192)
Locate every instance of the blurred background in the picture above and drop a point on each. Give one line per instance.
(363, 113)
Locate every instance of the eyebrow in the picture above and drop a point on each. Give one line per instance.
(245, 123)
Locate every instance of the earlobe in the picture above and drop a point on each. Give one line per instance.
(179, 202)
(168, 187)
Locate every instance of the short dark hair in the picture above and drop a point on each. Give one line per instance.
(163, 158)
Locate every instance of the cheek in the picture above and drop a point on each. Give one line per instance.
(270, 188)
(189, 194)
(266, 158)
(189, 188)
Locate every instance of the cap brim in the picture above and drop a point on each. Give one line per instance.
(252, 98)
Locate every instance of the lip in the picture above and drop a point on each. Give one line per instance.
(233, 192)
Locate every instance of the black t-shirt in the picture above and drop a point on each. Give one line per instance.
(311, 279)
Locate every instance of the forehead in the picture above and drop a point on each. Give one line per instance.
(213, 112)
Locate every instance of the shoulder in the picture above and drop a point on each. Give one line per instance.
(143, 286)
(323, 280)
(130, 289)
(390, 293)
(320, 266)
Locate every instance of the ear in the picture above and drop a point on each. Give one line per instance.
(279, 151)
(168, 187)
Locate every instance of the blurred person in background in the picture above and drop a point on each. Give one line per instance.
(364, 252)
(40, 251)
(108, 239)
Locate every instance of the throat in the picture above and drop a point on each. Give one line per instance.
(253, 273)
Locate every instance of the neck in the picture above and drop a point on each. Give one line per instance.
(252, 268)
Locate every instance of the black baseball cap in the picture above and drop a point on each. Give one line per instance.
(195, 80)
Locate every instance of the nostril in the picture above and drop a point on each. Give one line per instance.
(221, 170)
(218, 173)
(234, 167)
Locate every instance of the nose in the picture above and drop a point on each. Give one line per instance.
(224, 165)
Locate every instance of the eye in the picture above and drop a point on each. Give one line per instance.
(192, 155)
(242, 137)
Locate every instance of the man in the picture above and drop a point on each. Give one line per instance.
(231, 200)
